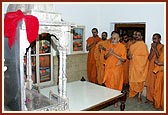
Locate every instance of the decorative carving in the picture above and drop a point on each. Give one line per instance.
(56, 30)
(28, 7)
(38, 102)
(50, 22)
(47, 18)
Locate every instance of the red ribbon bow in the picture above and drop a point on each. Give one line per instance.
(11, 22)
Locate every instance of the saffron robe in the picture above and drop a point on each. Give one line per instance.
(138, 67)
(99, 57)
(150, 80)
(126, 65)
(91, 63)
(113, 77)
(159, 83)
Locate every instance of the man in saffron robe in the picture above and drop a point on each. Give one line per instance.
(138, 68)
(154, 53)
(115, 56)
(91, 63)
(125, 41)
(159, 81)
(99, 57)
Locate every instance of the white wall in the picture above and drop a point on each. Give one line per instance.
(102, 15)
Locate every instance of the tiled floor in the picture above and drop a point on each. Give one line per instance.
(133, 105)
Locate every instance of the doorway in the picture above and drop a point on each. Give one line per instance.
(128, 28)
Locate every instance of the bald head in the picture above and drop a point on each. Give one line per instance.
(115, 38)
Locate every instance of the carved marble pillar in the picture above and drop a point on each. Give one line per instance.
(62, 48)
(64, 78)
(29, 71)
(62, 84)
(62, 72)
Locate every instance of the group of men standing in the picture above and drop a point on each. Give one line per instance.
(118, 64)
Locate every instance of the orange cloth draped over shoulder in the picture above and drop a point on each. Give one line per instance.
(91, 63)
(113, 77)
(159, 83)
(138, 67)
(99, 57)
(126, 63)
(150, 79)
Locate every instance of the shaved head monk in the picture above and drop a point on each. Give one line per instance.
(158, 94)
(138, 68)
(91, 63)
(99, 53)
(115, 57)
(155, 51)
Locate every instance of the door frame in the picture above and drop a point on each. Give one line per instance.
(118, 26)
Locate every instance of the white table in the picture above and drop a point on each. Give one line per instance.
(84, 95)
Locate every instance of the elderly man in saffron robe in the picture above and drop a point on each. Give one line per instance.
(91, 63)
(115, 57)
(138, 68)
